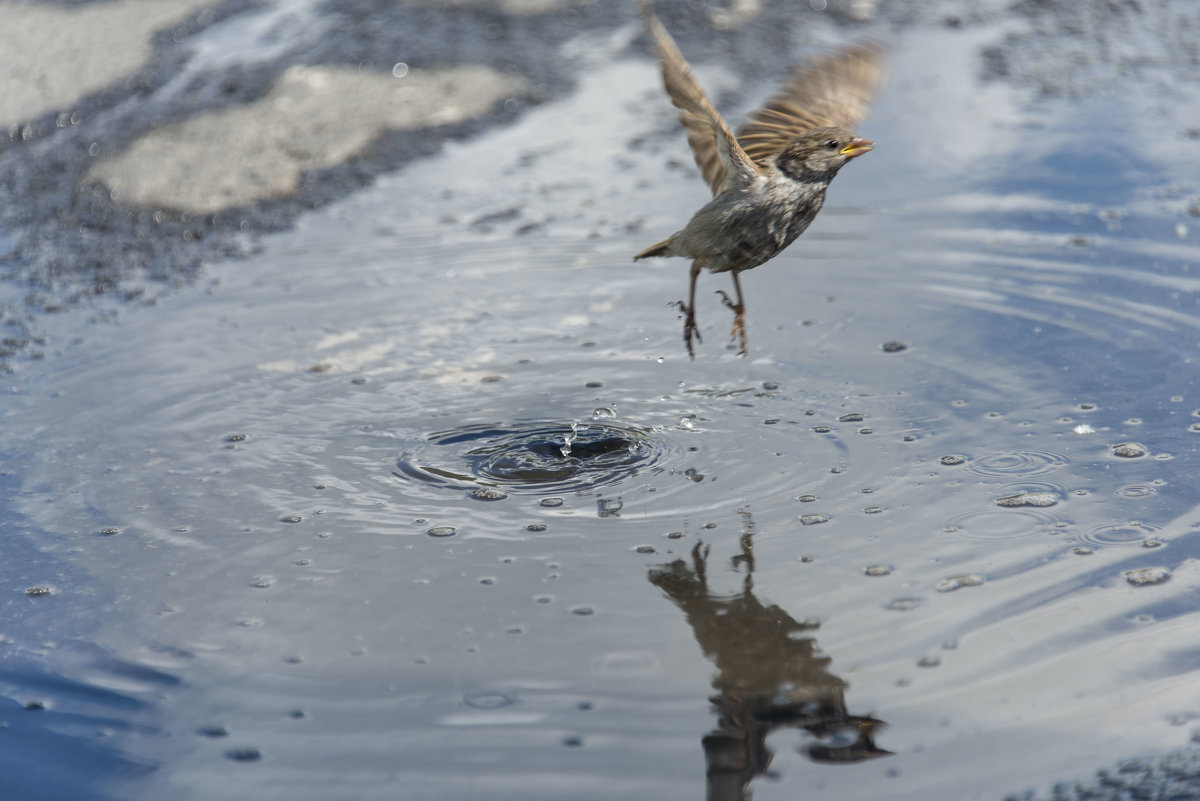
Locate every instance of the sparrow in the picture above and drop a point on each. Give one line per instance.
(768, 181)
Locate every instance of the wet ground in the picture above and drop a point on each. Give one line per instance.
(420, 494)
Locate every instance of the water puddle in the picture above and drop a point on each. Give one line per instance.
(428, 495)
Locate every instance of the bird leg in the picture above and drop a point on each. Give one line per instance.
(738, 331)
(689, 312)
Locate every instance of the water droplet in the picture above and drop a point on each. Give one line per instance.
(814, 519)
(1028, 499)
(603, 412)
(958, 582)
(551, 503)
(568, 439)
(441, 531)
(686, 424)
(488, 494)
(1147, 575)
(536, 527)
(39, 592)
(1129, 450)
(1083, 430)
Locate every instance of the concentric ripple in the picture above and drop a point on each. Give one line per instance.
(1016, 463)
(1133, 532)
(1000, 524)
(536, 457)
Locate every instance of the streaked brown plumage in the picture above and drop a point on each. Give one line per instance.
(769, 180)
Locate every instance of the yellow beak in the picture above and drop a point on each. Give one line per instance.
(857, 147)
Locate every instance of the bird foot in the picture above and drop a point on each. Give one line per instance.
(738, 332)
(690, 330)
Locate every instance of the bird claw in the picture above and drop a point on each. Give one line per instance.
(689, 327)
(738, 332)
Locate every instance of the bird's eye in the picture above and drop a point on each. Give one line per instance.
(832, 144)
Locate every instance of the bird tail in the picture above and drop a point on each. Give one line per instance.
(657, 249)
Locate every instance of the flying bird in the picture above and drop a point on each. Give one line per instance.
(768, 181)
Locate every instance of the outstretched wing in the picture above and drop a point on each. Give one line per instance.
(833, 90)
(720, 158)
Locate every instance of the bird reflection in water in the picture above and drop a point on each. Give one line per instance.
(770, 675)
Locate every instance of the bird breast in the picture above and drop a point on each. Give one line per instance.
(746, 226)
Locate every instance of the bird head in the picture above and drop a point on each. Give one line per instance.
(820, 153)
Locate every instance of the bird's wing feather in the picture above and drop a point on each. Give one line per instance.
(833, 90)
(720, 158)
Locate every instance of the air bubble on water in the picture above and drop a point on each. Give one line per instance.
(877, 570)
(953, 583)
(551, 503)
(814, 519)
(488, 494)
(609, 507)
(686, 424)
(441, 531)
(1147, 575)
(603, 412)
(903, 604)
(488, 700)
(1129, 450)
(1028, 499)
(1083, 430)
(929, 661)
